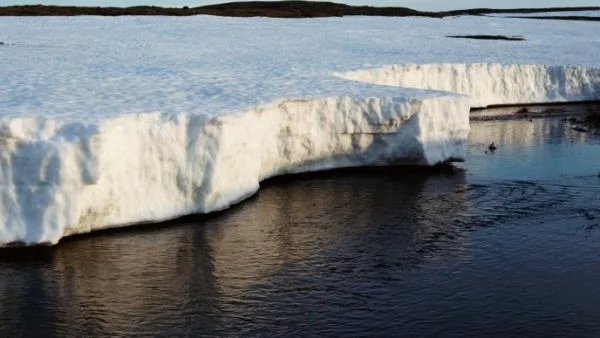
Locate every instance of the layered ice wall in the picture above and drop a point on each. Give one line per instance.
(492, 84)
(59, 179)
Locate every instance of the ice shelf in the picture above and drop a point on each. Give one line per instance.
(103, 127)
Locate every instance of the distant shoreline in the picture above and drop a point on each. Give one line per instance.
(279, 9)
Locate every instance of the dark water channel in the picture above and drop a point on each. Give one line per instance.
(509, 246)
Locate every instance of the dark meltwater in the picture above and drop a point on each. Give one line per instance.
(509, 246)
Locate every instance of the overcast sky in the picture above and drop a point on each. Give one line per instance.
(416, 4)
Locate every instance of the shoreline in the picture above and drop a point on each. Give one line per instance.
(276, 9)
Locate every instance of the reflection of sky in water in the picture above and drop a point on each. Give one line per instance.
(531, 150)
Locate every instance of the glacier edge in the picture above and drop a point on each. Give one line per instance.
(144, 167)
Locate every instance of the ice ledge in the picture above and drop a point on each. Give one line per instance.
(60, 178)
(490, 83)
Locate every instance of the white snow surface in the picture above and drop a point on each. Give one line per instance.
(107, 122)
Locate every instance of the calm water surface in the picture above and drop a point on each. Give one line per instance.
(509, 246)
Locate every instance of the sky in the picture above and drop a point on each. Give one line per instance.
(416, 4)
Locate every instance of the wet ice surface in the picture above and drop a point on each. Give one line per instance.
(507, 247)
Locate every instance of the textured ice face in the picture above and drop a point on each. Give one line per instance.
(106, 122)
(150, 167)
(492, 84)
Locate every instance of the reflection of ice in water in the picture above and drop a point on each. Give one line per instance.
(537, 148)
(337, 220)
(321, 228)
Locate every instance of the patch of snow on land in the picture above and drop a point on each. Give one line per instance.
(112, 121)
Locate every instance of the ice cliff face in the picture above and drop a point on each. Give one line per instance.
(66, 178)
